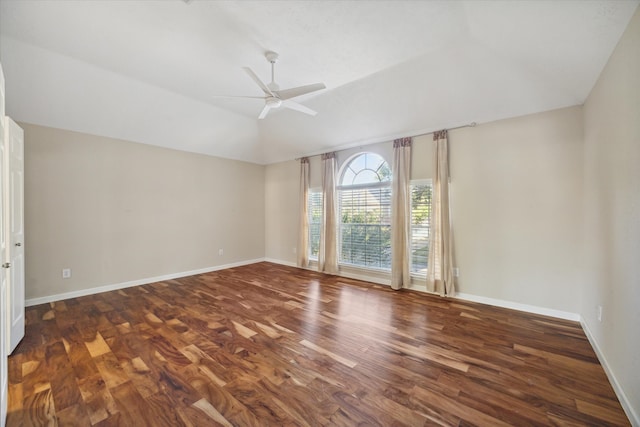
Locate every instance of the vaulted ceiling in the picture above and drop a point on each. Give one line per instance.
(151, 71)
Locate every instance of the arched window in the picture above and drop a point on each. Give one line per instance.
(366, 168)
(365, 212)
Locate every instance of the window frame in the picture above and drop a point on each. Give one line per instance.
(373, 186)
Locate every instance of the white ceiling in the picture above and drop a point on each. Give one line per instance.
(148, 71)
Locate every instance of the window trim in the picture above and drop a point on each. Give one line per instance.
(362, 186)
(344, 165)
(373, 186)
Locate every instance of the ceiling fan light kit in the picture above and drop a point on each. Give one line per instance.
(276, 98)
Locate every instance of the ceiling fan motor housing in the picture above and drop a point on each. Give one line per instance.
(273, 102)
(271, 57)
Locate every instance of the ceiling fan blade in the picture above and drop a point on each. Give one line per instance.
(259, 82)
(297, 91)
(264, 112)
(298, 107)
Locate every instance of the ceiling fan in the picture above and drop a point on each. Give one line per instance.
(274, 97)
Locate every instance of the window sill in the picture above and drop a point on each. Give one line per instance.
(355, 267)
(379, 276)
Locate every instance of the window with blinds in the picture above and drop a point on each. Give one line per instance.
(365, 212)
(365, 227)
(314, 210)
(420, 225)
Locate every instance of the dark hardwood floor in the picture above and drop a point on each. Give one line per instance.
(271, 345)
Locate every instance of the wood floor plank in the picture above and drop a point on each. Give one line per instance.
(163, 408)
(336, 357)
(600, 412)
(266, 344)
(140, 375)
(64, 388)
(220, 398)
(15, 405)
(111, 371)
(206, 407)
(39, 409)
(97, 347)
(453, 407)
(72, 416)
(138, 410)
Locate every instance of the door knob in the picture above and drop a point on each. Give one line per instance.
(18, 244)
(6, 265)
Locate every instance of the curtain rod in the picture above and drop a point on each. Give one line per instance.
(468, 125)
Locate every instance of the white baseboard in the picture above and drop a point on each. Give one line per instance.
(278, 261)
(365, 278)
(467, 297)
(633, 416)
(113, 287)
(567, 315)
(342, 273)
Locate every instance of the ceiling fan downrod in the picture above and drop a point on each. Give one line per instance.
(272, 57)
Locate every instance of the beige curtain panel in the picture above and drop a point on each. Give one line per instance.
(401, 214)
(303, 229)
(328, 251)
(440, 264)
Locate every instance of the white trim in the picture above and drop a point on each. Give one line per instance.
(279, 261)
(633, 416)
(365, 278)
(361, 270)
(342, 273)
(466, 297)
(113, 287)
(421, 181)
(346, 162)
(381, 184)
(567, 315)
(419, 284)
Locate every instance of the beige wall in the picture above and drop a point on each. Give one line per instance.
(281, 210)
(517, 199)
(516, 206)
(612, 214)
(116, 211)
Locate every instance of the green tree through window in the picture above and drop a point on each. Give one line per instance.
(420, 225)
(365, 212)
(314, 209)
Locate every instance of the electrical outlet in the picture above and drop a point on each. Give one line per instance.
(599, 313)
(66, 273)
(294, 250)
(456, 272)
(220, 252)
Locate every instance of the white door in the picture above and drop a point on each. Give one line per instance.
(4, 305)
(14, 217)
